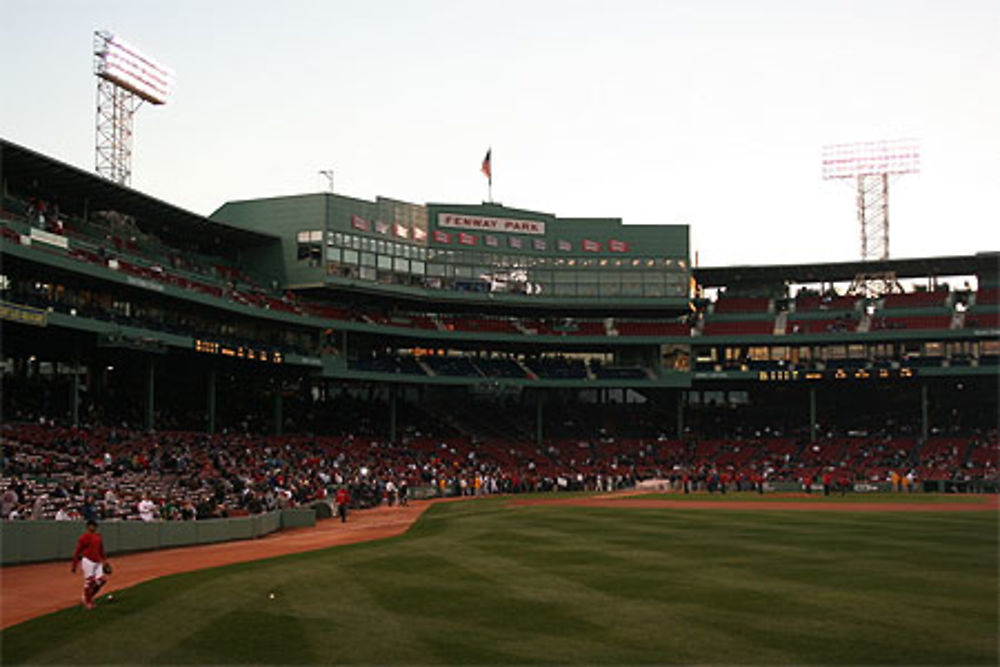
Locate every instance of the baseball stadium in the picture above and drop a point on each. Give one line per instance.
(554, 439)
(646, 409)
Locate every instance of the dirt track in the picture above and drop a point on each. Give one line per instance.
(27, 591)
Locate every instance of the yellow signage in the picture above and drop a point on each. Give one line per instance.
(15, 312)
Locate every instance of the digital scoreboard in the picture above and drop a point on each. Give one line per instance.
(861, 374)
(247, 352)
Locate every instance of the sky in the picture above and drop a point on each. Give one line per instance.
(711, 113)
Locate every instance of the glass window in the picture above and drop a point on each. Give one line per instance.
(435, 270)
(564, 277)
(416, 267)
(380, 248)
(610, 289)
(653, 290)
(935, 349)
(350, 257)
(367, 259)
(631, 286)
(384, 262)
(401, 265)
(367, 273)
(333, 254)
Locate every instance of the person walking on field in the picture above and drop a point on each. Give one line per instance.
(343, 500)
(93, 561)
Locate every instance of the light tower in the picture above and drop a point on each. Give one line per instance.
(871, 164)
(125, 79)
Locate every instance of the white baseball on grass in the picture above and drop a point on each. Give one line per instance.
(271, 596)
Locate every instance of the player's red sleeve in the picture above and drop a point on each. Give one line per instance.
(80, 545)
(100, 545)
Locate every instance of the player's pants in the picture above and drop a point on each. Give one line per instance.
(93, 579)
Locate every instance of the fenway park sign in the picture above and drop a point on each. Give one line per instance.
(478, 223)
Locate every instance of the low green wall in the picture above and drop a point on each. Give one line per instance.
(37, 541)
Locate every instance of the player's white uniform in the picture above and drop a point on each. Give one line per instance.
(91, 570)
(147, 509)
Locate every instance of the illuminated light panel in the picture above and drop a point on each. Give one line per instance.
(126, 66)
(892, 156)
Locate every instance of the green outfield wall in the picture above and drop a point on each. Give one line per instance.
(38, 541)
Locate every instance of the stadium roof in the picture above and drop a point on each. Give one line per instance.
(922, 267)
(25, 168)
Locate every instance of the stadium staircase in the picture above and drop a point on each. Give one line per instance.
(530, 374)
(519, 325)
(426, 368)
(914, 458)
(865, 324)
(781, 323)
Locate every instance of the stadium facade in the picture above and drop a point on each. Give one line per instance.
(496, 322)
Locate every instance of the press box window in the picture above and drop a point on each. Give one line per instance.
(310, 246)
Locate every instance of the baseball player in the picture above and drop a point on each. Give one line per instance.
(343, 499)
(90, 554)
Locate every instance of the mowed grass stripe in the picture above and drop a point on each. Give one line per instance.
(847, 499)
(481, 582)
(715, 572)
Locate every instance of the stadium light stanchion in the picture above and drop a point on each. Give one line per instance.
(870, 165)
(125, 79)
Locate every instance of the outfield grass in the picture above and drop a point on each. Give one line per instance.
(753, 496)
(482, 582)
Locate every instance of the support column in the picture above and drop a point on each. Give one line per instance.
(924, 426)
(812, 413)
(74, 396)
(278, 408)
(150, 395)
(392, 414)
(539, 419)
(680, 414)
(210, 403)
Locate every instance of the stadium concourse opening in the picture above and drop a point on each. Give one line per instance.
(284, 347)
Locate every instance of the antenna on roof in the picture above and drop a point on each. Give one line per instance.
(329, 177)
